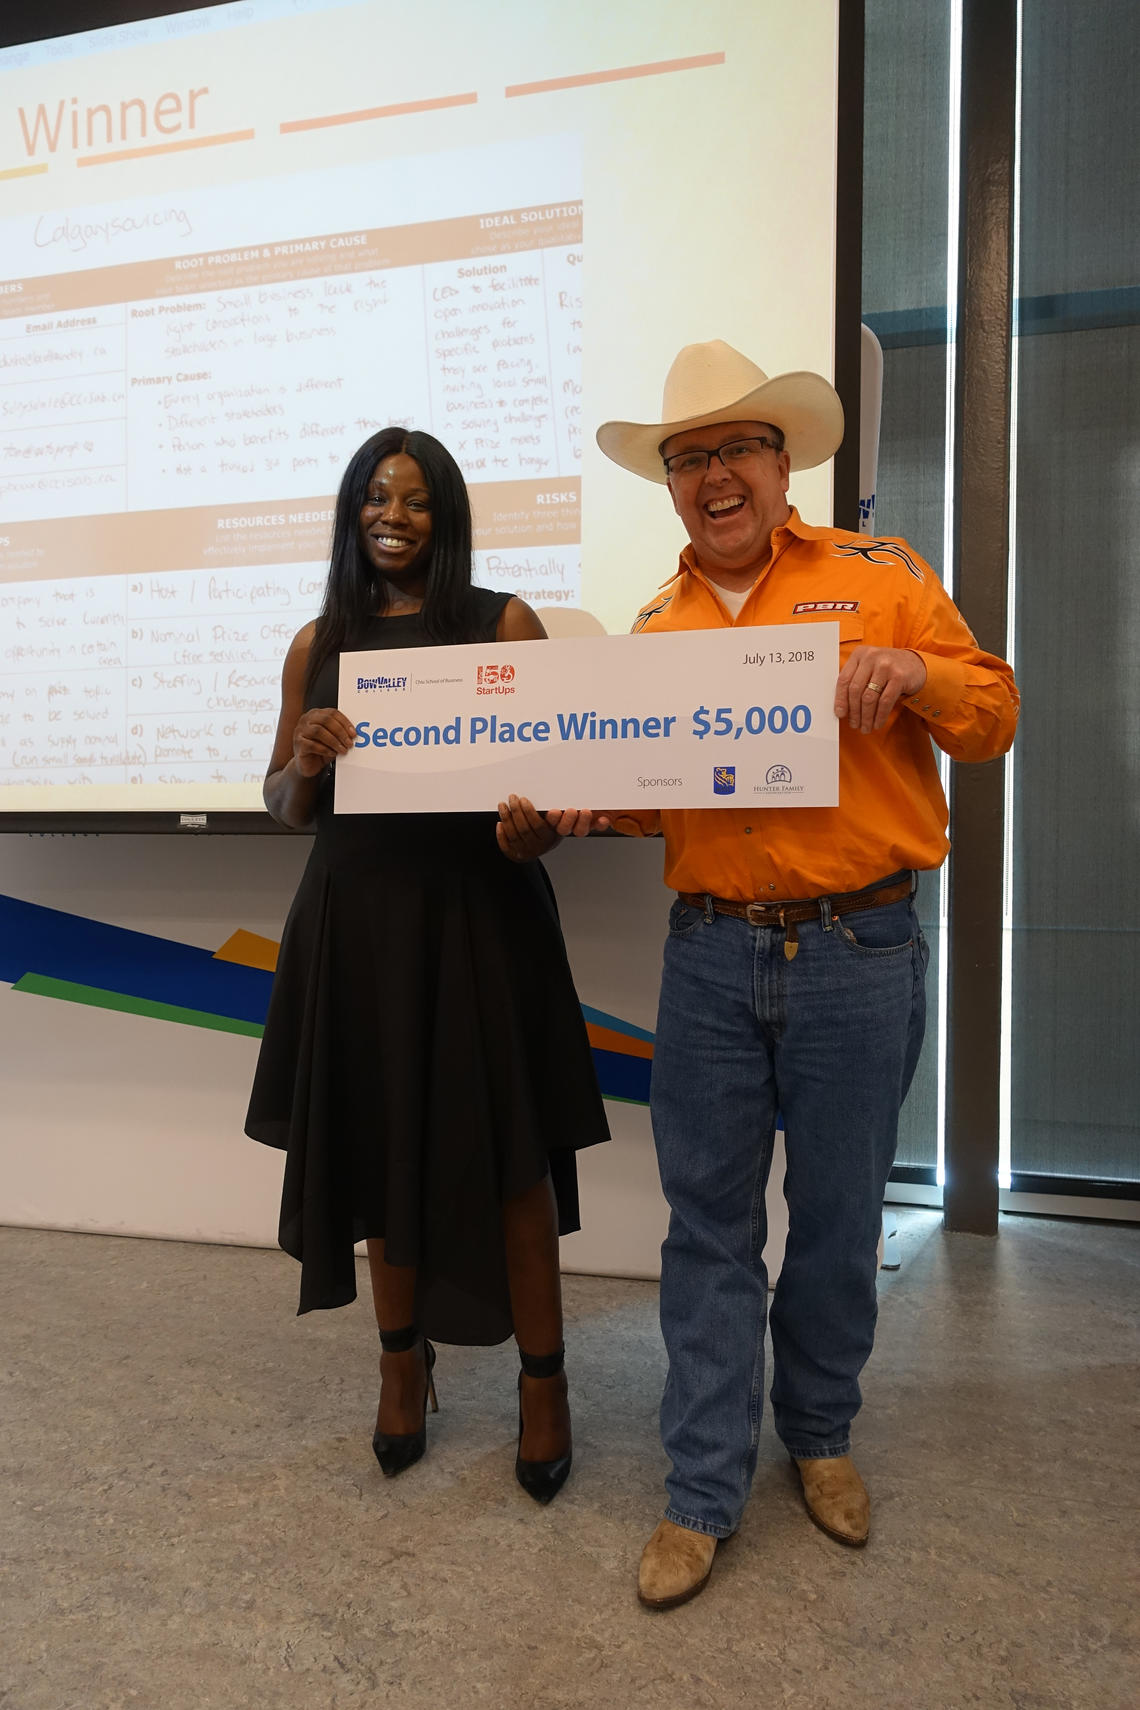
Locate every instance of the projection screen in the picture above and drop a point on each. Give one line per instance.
(237, 240)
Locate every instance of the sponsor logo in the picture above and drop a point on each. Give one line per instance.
(494, 679)
(724, 780)
(825, 606)
(368, 685)
(778, 775)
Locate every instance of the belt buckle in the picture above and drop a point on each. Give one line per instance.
(755, 914)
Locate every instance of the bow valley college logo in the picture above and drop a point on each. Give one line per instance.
(494, 679)
(778, 775)
(724, 780)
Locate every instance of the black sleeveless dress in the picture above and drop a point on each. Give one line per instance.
(424, 1057)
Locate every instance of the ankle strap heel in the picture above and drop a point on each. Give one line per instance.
(541, 1479)
(399, 1341)
(542, 1365)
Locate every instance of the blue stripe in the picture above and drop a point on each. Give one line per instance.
(601, 1019)
(623, 1077)
(60, 946)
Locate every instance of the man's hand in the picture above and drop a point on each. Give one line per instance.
(524, 834)
(873, 681)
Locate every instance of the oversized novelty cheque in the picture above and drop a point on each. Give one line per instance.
(704, 718)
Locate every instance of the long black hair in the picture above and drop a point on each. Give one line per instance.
(354, 591)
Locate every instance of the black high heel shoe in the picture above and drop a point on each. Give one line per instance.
(396, 1452)
(541, 1479)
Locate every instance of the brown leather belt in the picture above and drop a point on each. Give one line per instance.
(786, 914)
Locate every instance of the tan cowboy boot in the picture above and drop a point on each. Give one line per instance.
(675, 1565)
(836, 1498)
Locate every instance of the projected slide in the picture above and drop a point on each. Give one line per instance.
(202, 436)
(215, 287)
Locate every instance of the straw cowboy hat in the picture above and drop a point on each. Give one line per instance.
(711, 383)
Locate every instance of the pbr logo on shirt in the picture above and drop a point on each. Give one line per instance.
(724, 780)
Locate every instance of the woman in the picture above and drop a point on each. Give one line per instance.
(425, 1063)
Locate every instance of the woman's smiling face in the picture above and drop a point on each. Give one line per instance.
(395, 520)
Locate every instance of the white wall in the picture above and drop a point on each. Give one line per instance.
(116, 1122)
(121, 1124)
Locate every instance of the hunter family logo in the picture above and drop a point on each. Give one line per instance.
(494, 679)
(778, 782)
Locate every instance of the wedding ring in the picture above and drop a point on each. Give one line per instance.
(875, 688)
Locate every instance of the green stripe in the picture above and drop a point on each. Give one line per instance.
(41, 986)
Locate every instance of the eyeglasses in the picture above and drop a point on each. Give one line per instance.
(738, 451)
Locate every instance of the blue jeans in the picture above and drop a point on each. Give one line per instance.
(830, 1041)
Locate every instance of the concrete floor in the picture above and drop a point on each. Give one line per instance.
(192, 1518)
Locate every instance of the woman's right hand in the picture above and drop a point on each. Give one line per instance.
(319, 737)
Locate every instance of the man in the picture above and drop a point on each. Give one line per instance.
(793, 976)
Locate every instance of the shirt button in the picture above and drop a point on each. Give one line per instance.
(748, 831)
(771, 887)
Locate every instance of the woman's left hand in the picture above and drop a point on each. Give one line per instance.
(524, 834)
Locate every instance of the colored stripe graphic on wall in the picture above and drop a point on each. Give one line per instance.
(73, 950)
(46, 952)
(70, 992)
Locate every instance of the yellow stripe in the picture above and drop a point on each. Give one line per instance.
(24, 171)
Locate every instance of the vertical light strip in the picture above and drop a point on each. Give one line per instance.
(953, 211)
(1005, 1109)
(952, 214)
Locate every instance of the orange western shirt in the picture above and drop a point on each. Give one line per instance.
(892, 810)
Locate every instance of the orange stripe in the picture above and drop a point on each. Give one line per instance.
(23, 171)
(250, 949)
(608, 1039)
(164, 148)
(395, 112)
(656, 70)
